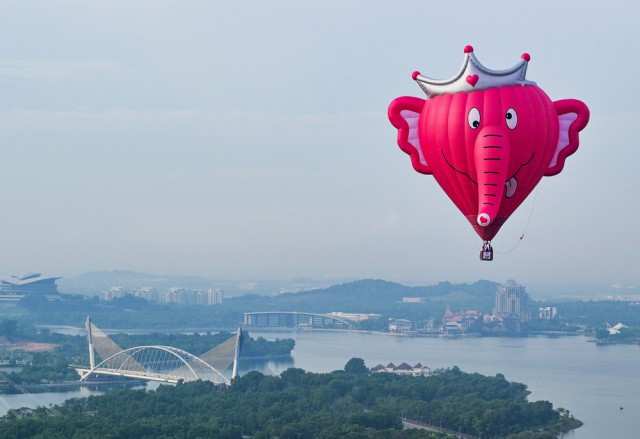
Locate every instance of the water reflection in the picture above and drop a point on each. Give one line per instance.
(57, 396)
(267, 367)
(33, 400)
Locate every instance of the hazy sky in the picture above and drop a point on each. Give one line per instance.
(250, 139)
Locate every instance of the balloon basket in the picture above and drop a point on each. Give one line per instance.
(486, 254)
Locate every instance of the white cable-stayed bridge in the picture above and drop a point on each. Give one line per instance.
(160, 363)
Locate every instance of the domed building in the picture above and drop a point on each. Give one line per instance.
(28, 284)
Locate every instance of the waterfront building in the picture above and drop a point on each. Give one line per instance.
(400, 326)
(547, 312)
(453, 328)
(28, 283)
(511, 323)
(613, 330)
(403, 369)
(356, 317)
(459, 322)
(512, 301)
(294, 319)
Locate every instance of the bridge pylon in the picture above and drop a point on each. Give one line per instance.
(160, 363)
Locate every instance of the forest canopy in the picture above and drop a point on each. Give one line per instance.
(299, 404)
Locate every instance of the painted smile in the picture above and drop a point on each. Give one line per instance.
(511, 185)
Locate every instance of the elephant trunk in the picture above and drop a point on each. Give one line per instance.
(491, 151)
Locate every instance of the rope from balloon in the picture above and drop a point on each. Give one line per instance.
(535, 196)
(486, 251)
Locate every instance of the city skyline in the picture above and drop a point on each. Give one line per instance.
(250, 141)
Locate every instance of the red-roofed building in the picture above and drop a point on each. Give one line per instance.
(403, 369)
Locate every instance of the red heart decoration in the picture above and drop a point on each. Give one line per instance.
(473, 80)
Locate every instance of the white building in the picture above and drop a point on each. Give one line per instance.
(547, 312)
(400, 326)
(150, 294)
(115, 293)
(214, 297)
(403, 369)
(355, 316)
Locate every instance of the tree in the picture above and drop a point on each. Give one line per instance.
(8, 328)
(356, 366)
(301, 404)
(602, 333)
(34, 302)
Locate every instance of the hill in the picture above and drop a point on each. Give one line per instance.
(363, 296)
(378, 296)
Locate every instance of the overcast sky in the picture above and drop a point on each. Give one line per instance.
(250, 140)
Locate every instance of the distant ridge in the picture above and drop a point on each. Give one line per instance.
(377, 288)
(375, 296)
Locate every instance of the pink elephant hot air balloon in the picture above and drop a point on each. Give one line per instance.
(488, 137)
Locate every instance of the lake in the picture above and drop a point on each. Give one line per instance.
(599, 384)
(592, 381)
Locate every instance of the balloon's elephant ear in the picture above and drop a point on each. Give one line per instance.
(573, 116)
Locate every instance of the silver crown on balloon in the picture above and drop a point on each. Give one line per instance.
(474, 76)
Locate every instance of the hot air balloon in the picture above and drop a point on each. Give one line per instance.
(488, 137)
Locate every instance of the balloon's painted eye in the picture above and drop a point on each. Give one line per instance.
(474, 118)
(512, 118)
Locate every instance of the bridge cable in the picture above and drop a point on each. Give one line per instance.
(30, 395)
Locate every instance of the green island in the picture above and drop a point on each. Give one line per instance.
(350, 403)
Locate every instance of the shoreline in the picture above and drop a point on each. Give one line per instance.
(6, 389)
(272, 329)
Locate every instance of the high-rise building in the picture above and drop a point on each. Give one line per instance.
(214, 297)
(115, 293)
(150, 294)
(512, 300)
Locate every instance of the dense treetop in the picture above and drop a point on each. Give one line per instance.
(301, 404)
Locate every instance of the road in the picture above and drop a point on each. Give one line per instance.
(410, 423)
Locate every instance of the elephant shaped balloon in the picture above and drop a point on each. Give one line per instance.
(488, 137)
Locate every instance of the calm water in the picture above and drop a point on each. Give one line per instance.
(592, 381)
(15, 401)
